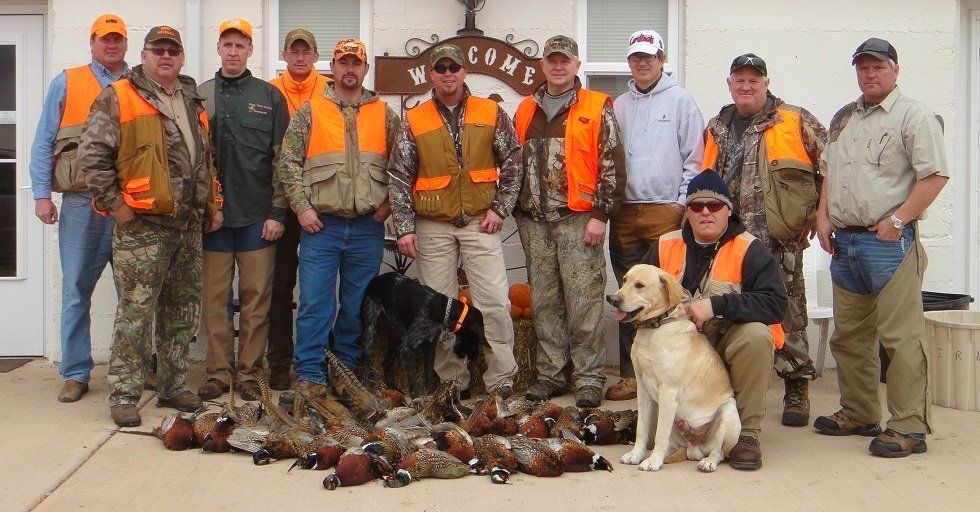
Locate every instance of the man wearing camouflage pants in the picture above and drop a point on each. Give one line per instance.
(768, 153)
(145, 153)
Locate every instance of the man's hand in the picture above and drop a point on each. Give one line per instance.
(309, 220)
(409, 245)
(700, 312)
(824, 230)
(214, 223)
(885, 230)
(124, 213)
(595, 232)
(491, 222)
(46, 210)
(382, 213)
(272, 230)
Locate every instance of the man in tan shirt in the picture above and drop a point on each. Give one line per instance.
(885, 165)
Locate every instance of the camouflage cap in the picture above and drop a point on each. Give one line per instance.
(447, 51)
(299, 34)
(561, 44)
(163, 33)
(350, 47)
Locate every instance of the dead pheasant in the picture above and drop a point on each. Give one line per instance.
(452, 439)
(607, 427)
(358, 466)
(494, 456)
(427, 463)
(176, 431)
(535, 458)
(364, 404)
(575, 456)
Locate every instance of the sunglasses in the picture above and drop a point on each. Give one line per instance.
(453, 68)
(173, 52)
(712, 206)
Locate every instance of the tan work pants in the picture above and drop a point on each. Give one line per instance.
(748, 354)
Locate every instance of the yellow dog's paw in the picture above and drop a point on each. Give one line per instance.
(632, 458)
(653, 463)
(707, 465)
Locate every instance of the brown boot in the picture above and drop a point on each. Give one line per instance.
(150, 380)
(72, 391)
(312, 390)
(796, 403)
(625, 389)
(841, 424)
(746, 454)
(892, 444)
(125, 415)
(211, 389)
(249, 390)
(185, 401)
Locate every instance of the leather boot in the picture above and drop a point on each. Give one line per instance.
(796, 403)
(625, 389)
(211, 389)
(185, 401)
(150, 380)
(746, 454)
(125, 415)
(72, 391)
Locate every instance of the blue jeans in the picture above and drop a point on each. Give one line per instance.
(864, 264)
(352, 248)
(85, 246)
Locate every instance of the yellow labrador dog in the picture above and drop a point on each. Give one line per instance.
(678, 373)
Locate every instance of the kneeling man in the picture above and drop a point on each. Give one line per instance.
(738, 299)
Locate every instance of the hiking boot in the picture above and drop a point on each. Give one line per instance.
(796, 403)
(125, 415)
(249, 390)
(625, 389)
(588, 396)
(72, 391)
(211, 389)
(150, 380)
(312, 389)
(543, 390)
(279, 380)
(892, 444)
(840, 424)
(185, 401)
(746, 454)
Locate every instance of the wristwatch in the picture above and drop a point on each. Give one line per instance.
(897, 222)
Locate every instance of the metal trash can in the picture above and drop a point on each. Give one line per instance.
(931, 301)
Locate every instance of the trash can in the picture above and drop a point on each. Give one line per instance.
(931, 301)
(953, 339)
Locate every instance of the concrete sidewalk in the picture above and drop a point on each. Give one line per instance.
(67, 457)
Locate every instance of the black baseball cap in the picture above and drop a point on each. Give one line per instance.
(751, 60)
(877, 48)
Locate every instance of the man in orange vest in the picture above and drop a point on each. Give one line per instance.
(454, 178)
(84, 237)
(298, 84)
(147, 161)
(768, 152)
(738, 299)
(574, 177)
(332, 166)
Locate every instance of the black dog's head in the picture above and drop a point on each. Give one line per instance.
(470, 336)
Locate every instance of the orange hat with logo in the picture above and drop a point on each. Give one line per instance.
(350, 47)
(108, 24)
(236, 24)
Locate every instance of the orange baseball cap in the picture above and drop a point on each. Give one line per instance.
(350, 47)
(108, 24)
(236, 24)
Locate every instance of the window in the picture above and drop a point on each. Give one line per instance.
(603, 29)
(328, 20)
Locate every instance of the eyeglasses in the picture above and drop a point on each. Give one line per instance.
(441, 68)
(712, 206)
(637, 58)
(173, 52)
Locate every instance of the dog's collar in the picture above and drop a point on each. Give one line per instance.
(659, 320)
(462, 315)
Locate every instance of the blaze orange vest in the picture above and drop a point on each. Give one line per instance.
(336, 184)
(312, 87)
(82, 88)
(726, 271)
(581, 143)
(446, 188)
(783, 143)
(141, 162)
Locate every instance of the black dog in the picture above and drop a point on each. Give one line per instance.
(416, 317)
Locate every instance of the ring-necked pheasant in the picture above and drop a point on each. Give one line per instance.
(535, 458)
(494, 456)
(358, 466)
(427, 463)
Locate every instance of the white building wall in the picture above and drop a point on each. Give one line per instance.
(807, 46)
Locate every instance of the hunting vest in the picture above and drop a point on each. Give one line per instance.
(724, 275)
(446, 190)
(789, 181)
(582, 129)
(81, 90)
(340, 182)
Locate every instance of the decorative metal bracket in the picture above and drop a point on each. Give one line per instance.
(528, 47)
(415, 46)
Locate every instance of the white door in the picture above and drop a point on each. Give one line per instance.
(21, 233)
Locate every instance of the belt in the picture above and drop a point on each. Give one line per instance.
(855, 229)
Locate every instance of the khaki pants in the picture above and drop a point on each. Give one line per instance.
(747, 350)
(255, 292)
(442, 246)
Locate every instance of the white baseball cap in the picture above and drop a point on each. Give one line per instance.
(645, 41)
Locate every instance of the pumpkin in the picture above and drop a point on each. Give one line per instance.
(527, 312)
(520, 295)
(516, 312)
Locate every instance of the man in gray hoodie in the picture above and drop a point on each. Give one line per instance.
(662, 133)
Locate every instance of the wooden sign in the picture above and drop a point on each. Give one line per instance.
(512, 65)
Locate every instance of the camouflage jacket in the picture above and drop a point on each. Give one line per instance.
(294, 144)
(404, 161)
(191, 183)
(750, 203)
(544, 194)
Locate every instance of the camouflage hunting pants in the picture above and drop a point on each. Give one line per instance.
(568, 279)
(158, 274)
(793, 360)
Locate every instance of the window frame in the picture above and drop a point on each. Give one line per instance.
(274, 65)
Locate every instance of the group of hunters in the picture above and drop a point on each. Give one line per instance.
(178, 184)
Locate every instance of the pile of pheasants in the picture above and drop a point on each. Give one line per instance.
(378, 434)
